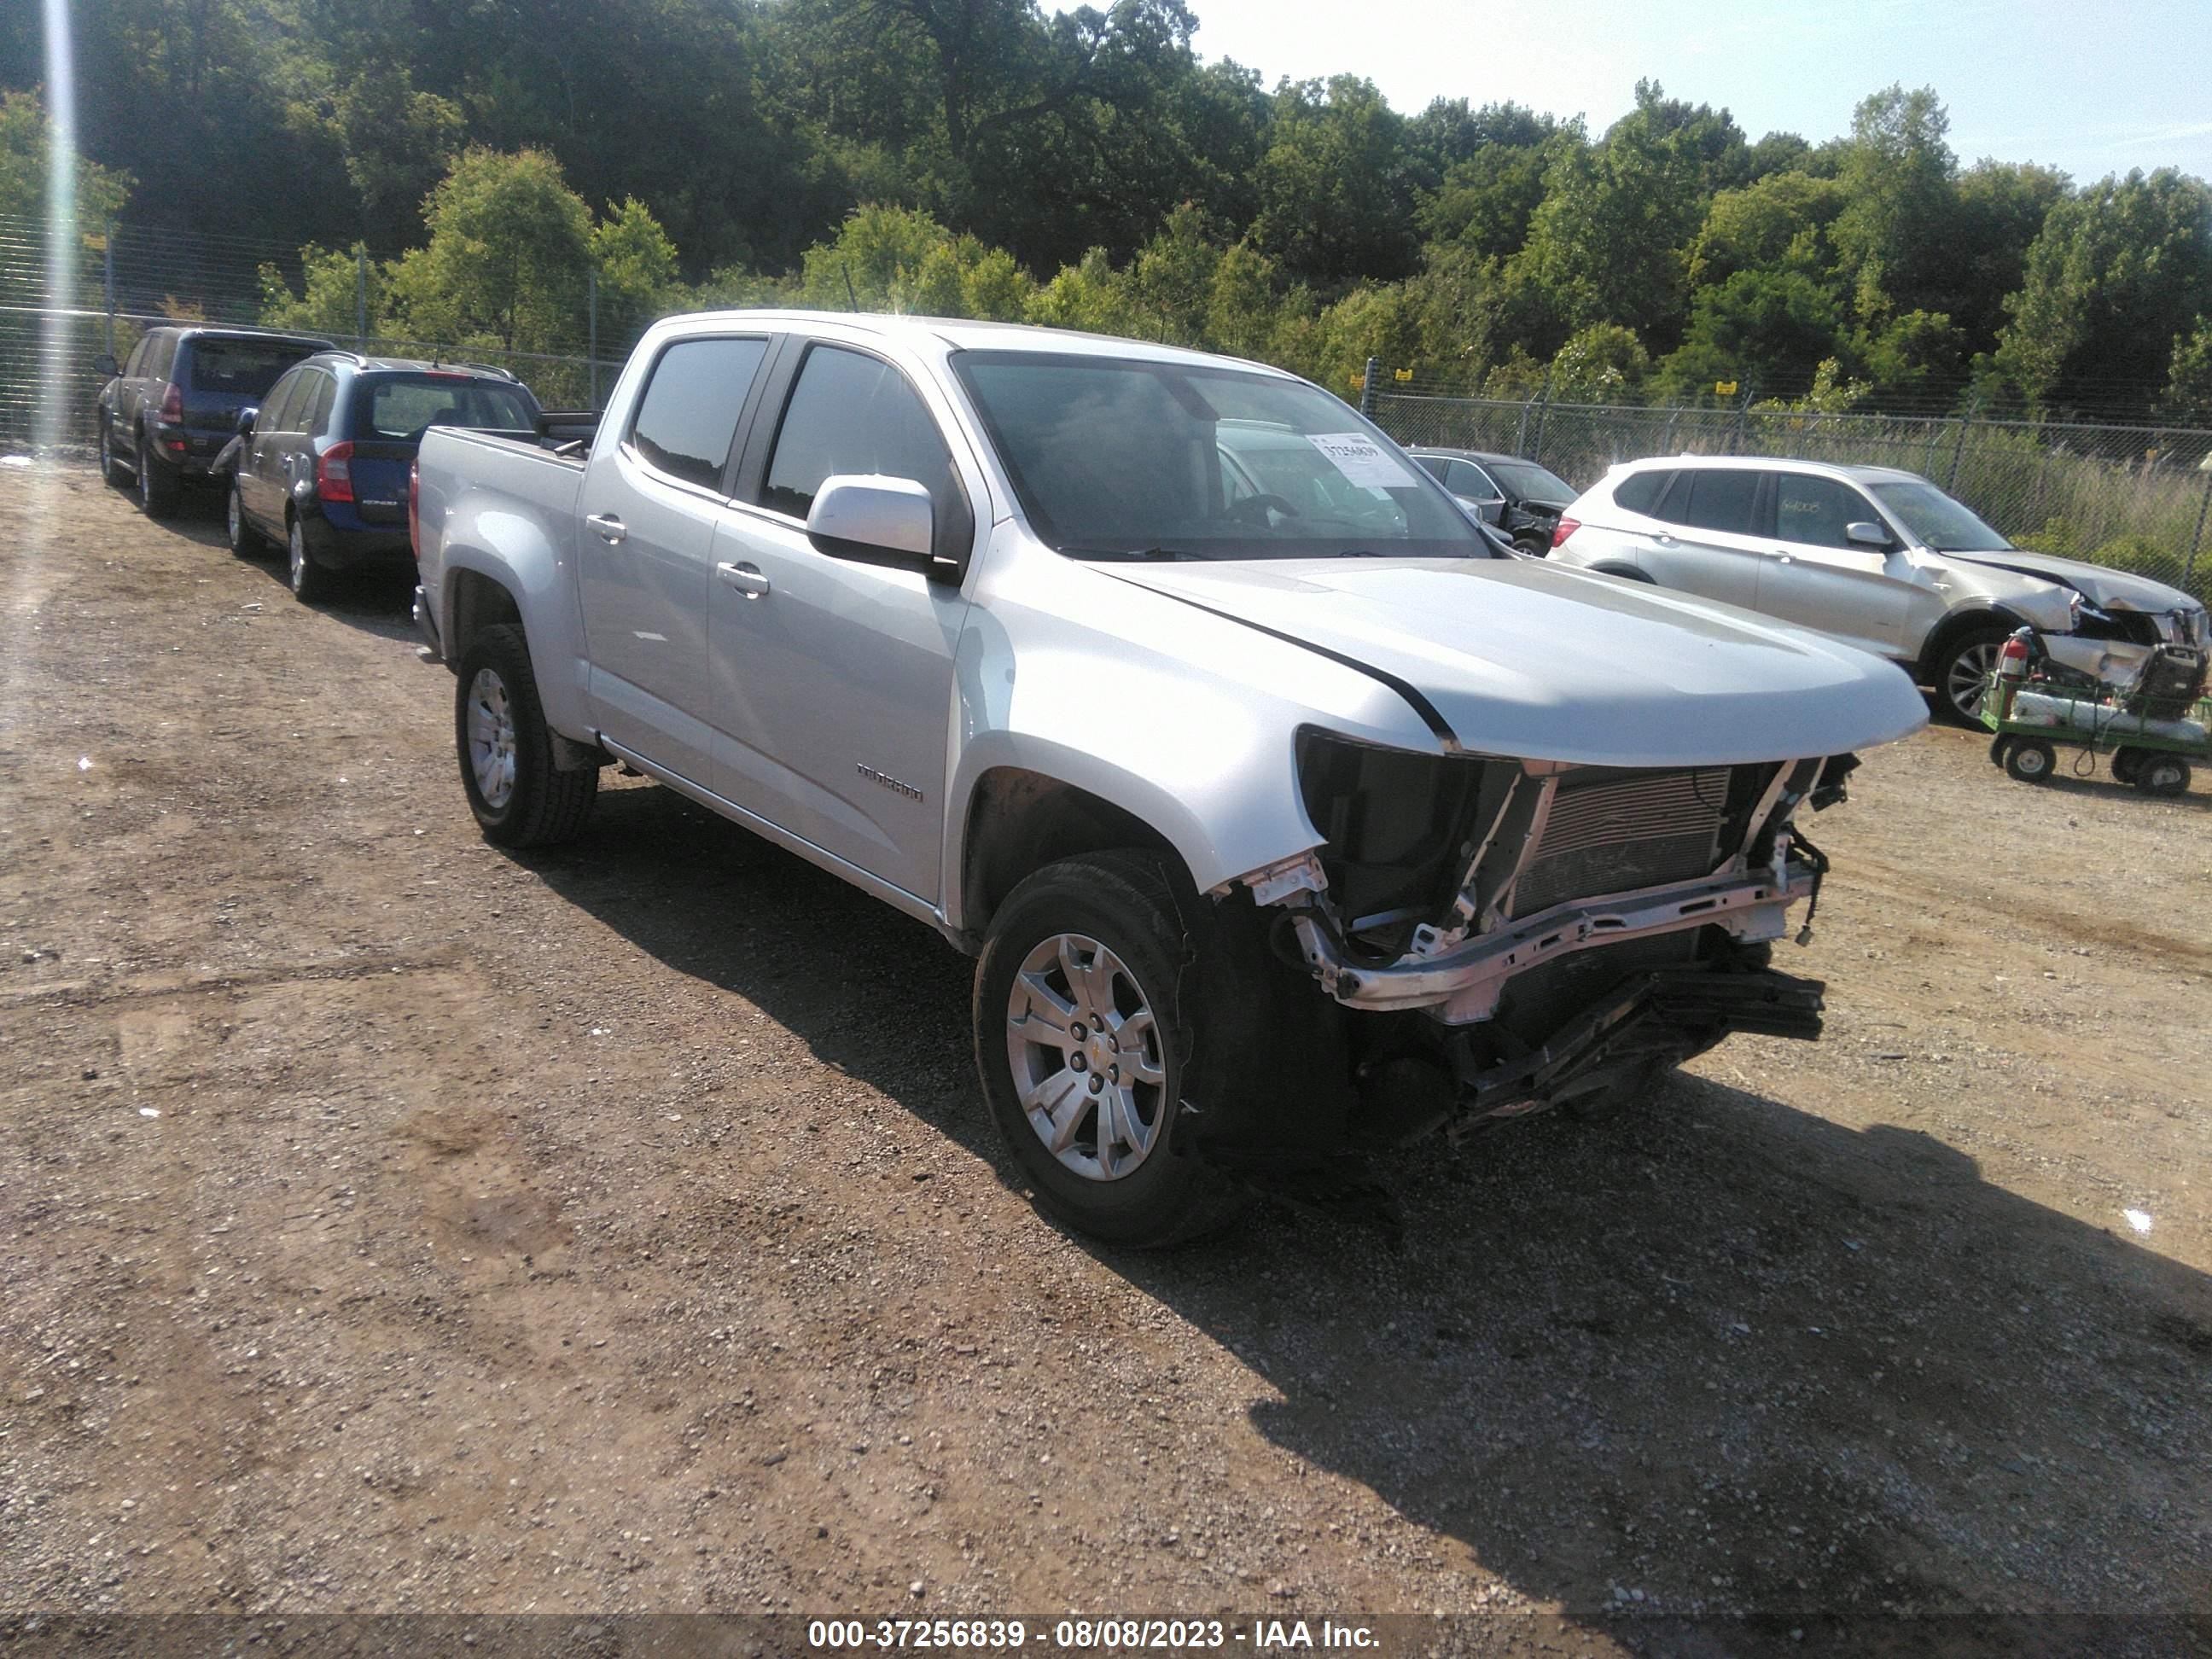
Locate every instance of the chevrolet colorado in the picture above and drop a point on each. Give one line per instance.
(1283, 816)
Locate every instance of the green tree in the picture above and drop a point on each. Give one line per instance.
(2120, 273)
(1769, 328)
(1899, 179)
(1602, 363)
(26, 157)
(1781, 222)
(1610, 242)
(509, 246)
(1335, 194)
(2189, 382)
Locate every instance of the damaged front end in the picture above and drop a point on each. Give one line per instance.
(1525, 933)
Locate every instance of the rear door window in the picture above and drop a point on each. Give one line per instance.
(1721, 499)
(244, 369)
(283, 403)
(1471, 481)
(162, 350)
(399, 408)
(326, 397)
(132, 369)
(1814, 511)
(688, 417)
(849, 413)
(1435, 465)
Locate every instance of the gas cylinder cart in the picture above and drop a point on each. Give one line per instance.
(2152, 728)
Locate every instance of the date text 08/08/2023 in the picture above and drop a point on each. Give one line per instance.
(1260, 1636)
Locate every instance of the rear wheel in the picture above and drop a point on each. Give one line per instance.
(311, 578)
(158, 485)
(520, 799)
(245, 541)
(2124, 762)
(1962, 674)
(2031, 760)
(1093, 1035)
(2162, 775)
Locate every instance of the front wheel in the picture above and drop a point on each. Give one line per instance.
(1092, 1036)
(111, 470)
(520, 799)
(1962, 677)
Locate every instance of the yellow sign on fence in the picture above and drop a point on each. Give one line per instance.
(1724, 388)
(1402, 373)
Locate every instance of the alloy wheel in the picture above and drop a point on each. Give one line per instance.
(1084, 1049)
(1967, 681)
(491, 739)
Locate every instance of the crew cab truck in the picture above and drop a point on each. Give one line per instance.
(1281, 814)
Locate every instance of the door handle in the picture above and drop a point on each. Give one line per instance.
(1780, 557)
(745, 578)
(608, 526)
(1662, 539)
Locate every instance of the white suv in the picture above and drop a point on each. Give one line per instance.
(1875, 557)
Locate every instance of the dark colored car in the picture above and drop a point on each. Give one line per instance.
(171, 408)
(321, 467)
(1522, 498)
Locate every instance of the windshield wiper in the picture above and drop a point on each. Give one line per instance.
(1085, 550)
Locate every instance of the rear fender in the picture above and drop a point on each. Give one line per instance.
(486, 537)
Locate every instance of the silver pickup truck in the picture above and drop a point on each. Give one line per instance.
(1283, 815)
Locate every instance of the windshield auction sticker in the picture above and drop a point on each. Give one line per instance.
(1361, 459)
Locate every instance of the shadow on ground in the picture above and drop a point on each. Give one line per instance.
(1723, 1352)
(375, 601)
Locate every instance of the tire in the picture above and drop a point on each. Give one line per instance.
(2162, 775)
(159, 486)
(1535, 547)
(520, 799)
(311, 580)
(245, 541)
(1961, 672)
(1122, 929)
(111, 470)
(2124, 762)
(2031, 760)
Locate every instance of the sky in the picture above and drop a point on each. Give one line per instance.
(2087, 89)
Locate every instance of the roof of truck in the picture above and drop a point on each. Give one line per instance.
(965, 334)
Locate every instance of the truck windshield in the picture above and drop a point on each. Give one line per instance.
(1121, 457)
(1937, 522)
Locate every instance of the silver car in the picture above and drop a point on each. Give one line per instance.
(1875, 557)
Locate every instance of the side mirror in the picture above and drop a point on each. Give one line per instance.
(866, 515)
(106, 364)
(246, 416)
(1861, 533)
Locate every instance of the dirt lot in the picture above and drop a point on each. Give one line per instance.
(390, 1222)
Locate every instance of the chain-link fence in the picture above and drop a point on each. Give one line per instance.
(2134, 498)
(119, 280)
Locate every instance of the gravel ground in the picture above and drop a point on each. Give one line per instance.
(388, 1223)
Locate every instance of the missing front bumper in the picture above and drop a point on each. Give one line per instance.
(1462, 985)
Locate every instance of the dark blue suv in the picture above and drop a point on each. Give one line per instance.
(321, 466)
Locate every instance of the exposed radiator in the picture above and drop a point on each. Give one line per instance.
(1610, 834)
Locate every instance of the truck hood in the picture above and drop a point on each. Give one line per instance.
(2108, 590)
(1520, 658)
